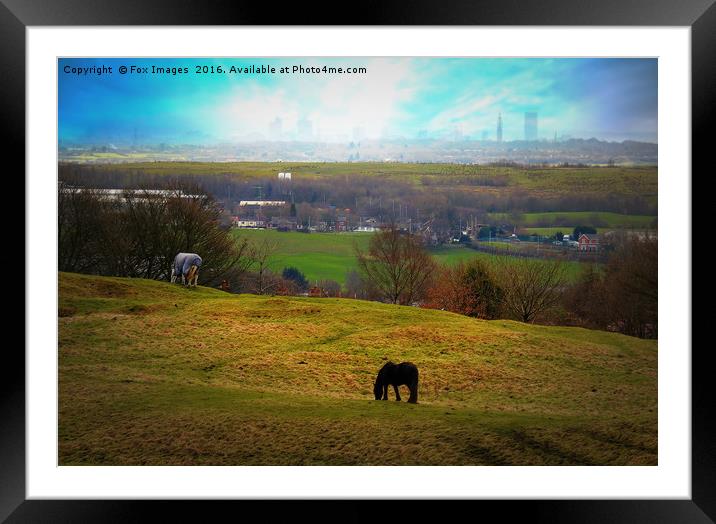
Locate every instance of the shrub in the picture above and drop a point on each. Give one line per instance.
(466, 288)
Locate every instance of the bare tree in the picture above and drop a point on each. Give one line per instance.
(631, 286)
(623, 295)
(586, 300)
(86, 219)
(139, 232)
(397, 266)
(531, 287)
(468, 288)
(329, 288)
(358, 287)
(262, 256)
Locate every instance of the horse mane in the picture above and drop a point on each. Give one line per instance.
(386, 365)
(381, 371)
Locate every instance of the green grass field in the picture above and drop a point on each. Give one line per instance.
(330, 256)
(155, 374)
(600, 220)
(319, 256)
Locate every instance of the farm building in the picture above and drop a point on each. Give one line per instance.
(247, 223)
(261, 203)
(288, 224)
(588, 242)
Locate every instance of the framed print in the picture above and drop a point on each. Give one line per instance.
(263, 232)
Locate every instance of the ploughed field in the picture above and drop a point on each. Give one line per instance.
(153, 373)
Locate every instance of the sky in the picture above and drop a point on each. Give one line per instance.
(603, 98)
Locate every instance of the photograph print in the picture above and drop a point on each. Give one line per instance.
(357, 261)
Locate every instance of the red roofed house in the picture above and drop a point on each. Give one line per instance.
(588, 242)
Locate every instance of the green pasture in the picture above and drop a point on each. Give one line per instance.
(536, 222)
(152, 373)
(330, 256)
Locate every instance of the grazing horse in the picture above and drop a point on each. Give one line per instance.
(405, 373)
(186, 265)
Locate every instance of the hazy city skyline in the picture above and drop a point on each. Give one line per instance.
(411, 98)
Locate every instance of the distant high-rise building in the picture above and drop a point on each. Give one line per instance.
(499, 127)
(531, 126)
(276, 129)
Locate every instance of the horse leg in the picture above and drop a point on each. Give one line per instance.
(397, 392)
(192, 276)
(413, 393)
(385, 392)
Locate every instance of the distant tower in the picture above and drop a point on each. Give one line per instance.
(499, 127)
(530, 126)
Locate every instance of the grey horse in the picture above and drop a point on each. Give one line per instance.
(186, 265)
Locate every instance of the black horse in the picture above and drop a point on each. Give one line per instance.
(396, 375)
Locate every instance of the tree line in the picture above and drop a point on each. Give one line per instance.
(383, 196)
(138, 234)
(621, 295)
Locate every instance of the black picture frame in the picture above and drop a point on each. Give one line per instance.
(16, 15)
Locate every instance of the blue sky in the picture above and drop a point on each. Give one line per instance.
(609, 99)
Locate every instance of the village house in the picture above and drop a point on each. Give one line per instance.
(247, 223)
(588, 242)
(367, 225)
(341, 223)
(284, 223)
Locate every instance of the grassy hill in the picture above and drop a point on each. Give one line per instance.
(153, 373)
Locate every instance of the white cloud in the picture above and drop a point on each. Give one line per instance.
(465, 112)
(335, 103)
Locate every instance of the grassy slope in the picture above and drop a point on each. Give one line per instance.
(152, 373)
